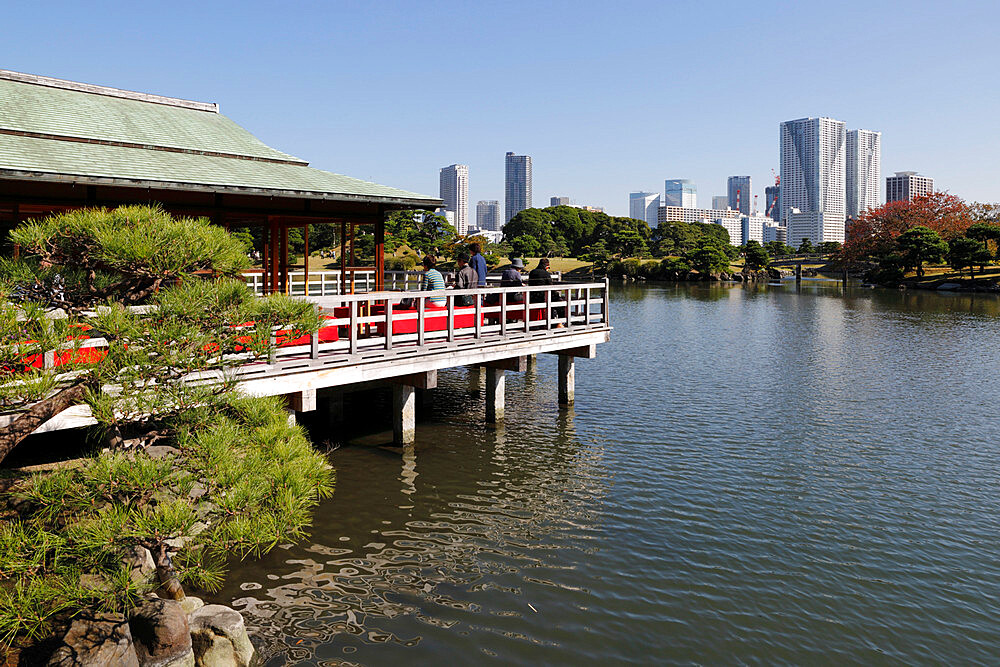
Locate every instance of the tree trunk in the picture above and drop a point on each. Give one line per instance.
(39, 413)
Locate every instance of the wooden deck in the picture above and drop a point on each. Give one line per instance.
(377, 339)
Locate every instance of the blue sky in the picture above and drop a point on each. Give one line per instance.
(606, 97)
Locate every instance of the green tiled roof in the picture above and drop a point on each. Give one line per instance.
(84, 132)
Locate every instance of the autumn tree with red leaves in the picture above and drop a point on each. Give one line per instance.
(873, 236)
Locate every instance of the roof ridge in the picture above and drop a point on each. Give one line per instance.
(107, 91)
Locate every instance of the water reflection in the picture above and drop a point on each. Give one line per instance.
(752, 473)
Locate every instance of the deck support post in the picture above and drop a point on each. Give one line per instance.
(494, 394)
(292, 419)
(404, 415)
(475, 378)
(567, 379)
(531, 362)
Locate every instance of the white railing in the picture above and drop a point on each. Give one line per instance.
(363, 328)
(327, 283)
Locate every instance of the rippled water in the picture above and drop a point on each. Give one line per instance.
(749, 475)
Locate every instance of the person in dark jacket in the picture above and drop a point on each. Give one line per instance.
(478, 263)
(511, 277)
(466, 278)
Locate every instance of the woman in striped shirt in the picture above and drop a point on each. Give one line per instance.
(433, 280)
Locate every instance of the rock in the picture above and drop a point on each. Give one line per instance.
(219, 637)
(948, 287)
(141, 564)
(197, 491)
(198, 527)
(161, 451)
(93, 582)
(161, 635)
(191, 604)
(98, 640)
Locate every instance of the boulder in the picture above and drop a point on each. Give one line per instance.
(96, 640)
(161, 635)
(141, 564)
(219, 637)
(191, 604)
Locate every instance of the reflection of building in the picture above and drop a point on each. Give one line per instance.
(680, 192)
(455, 193)
(906, 185)
(488, 215)
(644, 206)
(517, 186)
(739, 194)
(863, 171)
(813, 192)
(720, 202)
(558, 201)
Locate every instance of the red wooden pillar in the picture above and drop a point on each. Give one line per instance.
(283, 259)
(305, 260)
(275, 255)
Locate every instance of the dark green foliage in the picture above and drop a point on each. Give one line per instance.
(708, 257)
(755, 257)
(828, 247)
(806, 247)
(569, 230)
(126, 253)
(778, 249)
(965, 252)
(918, 245)
(679, 238)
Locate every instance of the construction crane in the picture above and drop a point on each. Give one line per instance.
(777, 183)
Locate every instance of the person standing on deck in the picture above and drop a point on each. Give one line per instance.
(478, 263)
(433, 280)
(466, 278)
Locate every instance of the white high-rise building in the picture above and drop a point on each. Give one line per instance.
(863, 171)
(488, 215)
(813, 174)
(455, 193)
(644, 206)
(906, 185)
(680, 192)
(517, 186)
(739, 194)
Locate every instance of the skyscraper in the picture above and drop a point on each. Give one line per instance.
(488, 215)
(517, 190)
(455, 193)
(772, 203)
(906, 185)
(720, 202)
(863, 171)
(813, 189)
(739, 194)
(680, 192)
(558, 201)
(644, 206)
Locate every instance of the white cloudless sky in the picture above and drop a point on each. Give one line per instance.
(607, 97)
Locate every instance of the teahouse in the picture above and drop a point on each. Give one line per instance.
(68, 145)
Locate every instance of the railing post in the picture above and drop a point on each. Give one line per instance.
(586, 306)
(420, 320)
(527, 309)
(49, 359)
(272, 352)
(503, 313)
(388, 323)
(606, 314)
(479, 315)
(451, 318)
(314, 342)
(569, 308)
(322, 283)
(352, 329)
(548, 309)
